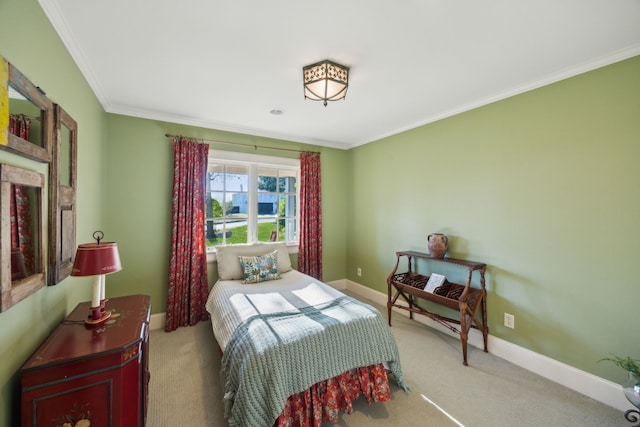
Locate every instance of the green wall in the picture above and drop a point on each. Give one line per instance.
(544, 188)
(28, 41)
(140, 173)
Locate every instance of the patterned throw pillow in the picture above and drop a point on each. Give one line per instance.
(260, 268)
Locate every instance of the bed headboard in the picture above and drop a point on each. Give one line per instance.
(229, 267)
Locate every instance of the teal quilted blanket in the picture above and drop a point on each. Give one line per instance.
(272, 356)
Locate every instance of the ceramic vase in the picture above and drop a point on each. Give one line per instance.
(437, 244)
(631, 389)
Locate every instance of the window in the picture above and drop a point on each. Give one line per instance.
(251, 198)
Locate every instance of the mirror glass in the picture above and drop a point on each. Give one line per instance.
(25, 118)
(22, 264)
(23, 214)
(64, 154)
(27, 115)
(62, 197)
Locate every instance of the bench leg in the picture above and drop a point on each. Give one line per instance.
(463, 334)
(463, 340)
(485, 329)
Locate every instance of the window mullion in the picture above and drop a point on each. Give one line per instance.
(252, 217)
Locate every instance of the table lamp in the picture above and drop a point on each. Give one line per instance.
(97, 259)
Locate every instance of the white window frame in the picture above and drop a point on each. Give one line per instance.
(254, 161)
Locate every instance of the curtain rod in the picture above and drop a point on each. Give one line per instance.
(255, 147)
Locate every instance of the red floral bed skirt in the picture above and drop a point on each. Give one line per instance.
(327, 399)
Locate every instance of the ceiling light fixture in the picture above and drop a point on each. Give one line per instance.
(325, 81)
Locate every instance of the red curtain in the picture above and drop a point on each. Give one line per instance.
(188, 281)
(310, 250)
(21, 232)
(20, 210)
(20, 125)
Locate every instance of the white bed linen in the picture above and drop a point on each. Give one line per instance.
(230, 302)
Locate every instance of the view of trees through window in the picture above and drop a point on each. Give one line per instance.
(249, 202)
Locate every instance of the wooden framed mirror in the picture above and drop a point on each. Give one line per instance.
(62, 197)
(22, 264)
(26, 115)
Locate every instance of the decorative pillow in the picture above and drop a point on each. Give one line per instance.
(260, 268)
(229, 267)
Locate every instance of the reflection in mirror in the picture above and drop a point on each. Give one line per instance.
(21, 234)
(23, 203)
(62, 197)
(27, 116)
(64, 155)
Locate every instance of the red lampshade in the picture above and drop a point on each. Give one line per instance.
(93, 259)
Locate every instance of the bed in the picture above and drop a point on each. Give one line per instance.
(295, 351)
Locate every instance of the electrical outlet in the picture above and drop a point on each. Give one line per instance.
(509, 320)
(359, 272)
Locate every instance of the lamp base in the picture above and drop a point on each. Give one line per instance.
(97, 317)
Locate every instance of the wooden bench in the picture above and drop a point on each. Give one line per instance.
(465, 299)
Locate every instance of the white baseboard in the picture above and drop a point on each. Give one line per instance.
(583, 382)
(157, 321)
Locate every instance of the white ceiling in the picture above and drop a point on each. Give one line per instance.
(226, 64)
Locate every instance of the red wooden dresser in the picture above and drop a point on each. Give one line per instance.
(99, 375)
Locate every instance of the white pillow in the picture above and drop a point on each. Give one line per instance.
(229, 267)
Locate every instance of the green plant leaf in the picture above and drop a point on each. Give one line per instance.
(626, 363)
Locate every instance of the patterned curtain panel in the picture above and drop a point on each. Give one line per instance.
(188, 281)
(20, 212)
(19, 125)
(21, 232)
(310, 250)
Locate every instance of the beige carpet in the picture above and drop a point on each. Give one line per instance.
(490, 392)
(185, 389)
